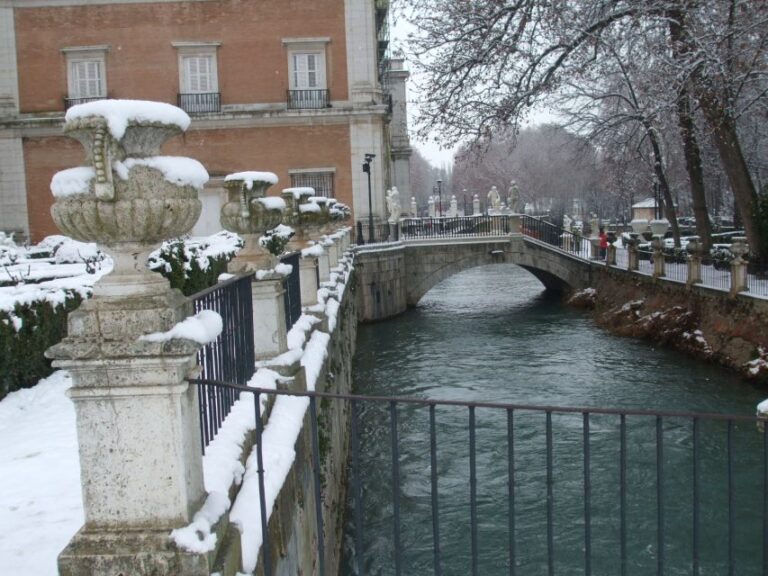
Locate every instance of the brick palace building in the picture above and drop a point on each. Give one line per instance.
(302, 88)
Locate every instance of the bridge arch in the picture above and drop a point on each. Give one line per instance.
(427, 265)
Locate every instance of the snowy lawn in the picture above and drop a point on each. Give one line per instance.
(41, 505)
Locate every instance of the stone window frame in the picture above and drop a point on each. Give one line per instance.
(81, 54)
(299, 177)
(197, 49)
(317, 46)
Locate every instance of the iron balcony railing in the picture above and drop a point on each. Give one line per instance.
(231, 356)
(200, 103)
(308, 99)
(546, 456)
(69, 102)
(292, 285)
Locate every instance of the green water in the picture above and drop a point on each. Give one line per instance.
(492, 334)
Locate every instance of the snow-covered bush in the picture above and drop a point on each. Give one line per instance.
(277, 239)
(194, 264)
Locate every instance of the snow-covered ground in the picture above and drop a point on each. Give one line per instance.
(41, 506)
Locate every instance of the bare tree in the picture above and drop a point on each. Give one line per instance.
(487, 62)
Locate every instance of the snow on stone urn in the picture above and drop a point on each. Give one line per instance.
(250, 212)
(312, 216)
(128, 198)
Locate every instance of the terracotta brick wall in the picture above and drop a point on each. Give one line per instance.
(274, 149)
(141, 63)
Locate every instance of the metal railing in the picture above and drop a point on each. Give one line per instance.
(69, 102)
(200, 103)
(308, 99)
(365, 233)
(548, 233)
(292, 285)
(715, 273)
(454, 227)
(676, 266)
(231, 356)
(546, 456)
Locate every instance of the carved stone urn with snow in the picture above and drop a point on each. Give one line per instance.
(312, 216)
(250, 213)
(126, 348)
(127, 198)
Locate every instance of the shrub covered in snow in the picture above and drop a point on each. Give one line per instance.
(277, 239)
(194, 264)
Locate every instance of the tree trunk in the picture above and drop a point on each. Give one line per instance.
(729, 149)
(658, 169)
(694, 168)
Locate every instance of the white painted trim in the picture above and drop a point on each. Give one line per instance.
(311, 170)
(199, 50)
(193, 44)
(77, 49)
(318, 40)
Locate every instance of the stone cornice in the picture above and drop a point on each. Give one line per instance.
(50, 124)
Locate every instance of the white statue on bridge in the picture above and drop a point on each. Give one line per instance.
(453, 211)
(567, 223)
(393, 205)
(431, 206)
(513, 196)
(494, 199)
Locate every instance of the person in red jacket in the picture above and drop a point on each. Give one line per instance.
(603, 243)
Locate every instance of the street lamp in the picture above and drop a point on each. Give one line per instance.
(367, 170)
(440, 195)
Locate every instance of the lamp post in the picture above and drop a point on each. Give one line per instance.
(440, 195)
(367, 170)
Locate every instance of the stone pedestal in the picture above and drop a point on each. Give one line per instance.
(514, 224)
(138, 434)
(324, 266)
(308, 276)
(610, 255)
(739, 265)
(695, 253)
(633, 259)
(269, 328)
(658, 257)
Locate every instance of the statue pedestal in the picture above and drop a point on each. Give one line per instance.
(269, 326)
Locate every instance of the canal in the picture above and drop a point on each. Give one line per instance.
(492, 334)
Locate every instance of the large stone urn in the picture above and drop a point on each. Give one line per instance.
(312, 216)
(137, 424)
(250, 213)
(132, 199)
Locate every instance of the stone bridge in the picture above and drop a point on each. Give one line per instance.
(395, 276)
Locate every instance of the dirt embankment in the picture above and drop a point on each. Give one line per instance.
(704, 323)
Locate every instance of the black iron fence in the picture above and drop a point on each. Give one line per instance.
(200, 102)
(292, 285)
(578, 490)
(231, 356)
(555, 236)
(376, 233)
(308, 99)
(454, 227)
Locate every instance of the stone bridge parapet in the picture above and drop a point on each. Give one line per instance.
(395, 276)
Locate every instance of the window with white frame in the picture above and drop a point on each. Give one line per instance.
(321, 179)
(306, 63)
(86, 72)
(308, 70)
(198, 76)
(198, 73)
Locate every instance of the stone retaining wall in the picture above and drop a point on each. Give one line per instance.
(707, 323)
